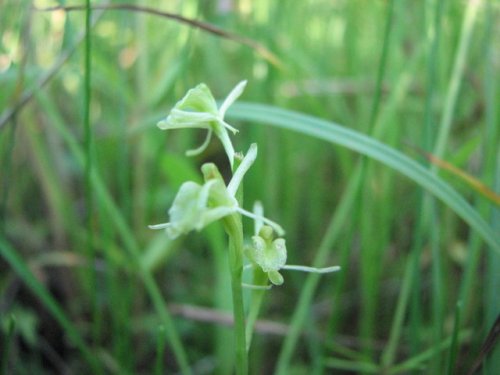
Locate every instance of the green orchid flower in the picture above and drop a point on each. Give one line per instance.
(191, 211)
(268, 253)
(195, 206)
(198, 109)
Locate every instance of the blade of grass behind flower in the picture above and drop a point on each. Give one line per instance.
(373, 239)
(473, 182)
(115, 217)
(370, 147)
(21, 268)
(454, 345)
(7, 345)
(336, 134)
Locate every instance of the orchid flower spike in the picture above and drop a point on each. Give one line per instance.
(195, 206)
(198, 109)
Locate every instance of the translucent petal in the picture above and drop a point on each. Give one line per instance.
(258, 211)
(245, 165)
(279, 252)
(311, 269)
(204, 193)
(185, 210)
(184, 119)
(159, 226)
(277, 228)
(213, 214)
(231, 98)
(199, 99)
(256, 252)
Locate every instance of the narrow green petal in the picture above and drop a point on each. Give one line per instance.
(311, 269)
(256, 287)
(277, 228)
(203, 146)
(159, 226)
(245, 165)
(258, 211)
(213, 214)
(202, 201)
(231, 98)
(184, 119)
(227, 126)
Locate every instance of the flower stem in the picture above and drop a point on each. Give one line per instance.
(234, 230)
(257, 297)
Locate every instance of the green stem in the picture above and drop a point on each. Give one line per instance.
(389, 353)
(89, 194)
(300, 314)
(9, 340)
(234, 230)
(456, 78)
(371, 239)
(160, 349)
(454, 345)
(257, 297)
(116, 218)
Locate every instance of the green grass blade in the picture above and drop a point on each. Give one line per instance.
(7, 346)
(372, 148)
(7, 147)
(160, 349)
(389, 353)
(418, 361)
(452, 355)
(357, 367)
(372, 240)
(115, 217)
(456, 77)
(339, 217)
(381, 67)
(23, 271)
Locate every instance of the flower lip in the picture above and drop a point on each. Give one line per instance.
(269, 254)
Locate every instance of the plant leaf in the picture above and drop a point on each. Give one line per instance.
(372, 148)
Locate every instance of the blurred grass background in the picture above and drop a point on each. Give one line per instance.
(86, 286)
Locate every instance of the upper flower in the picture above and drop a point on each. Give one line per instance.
(198, 109)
